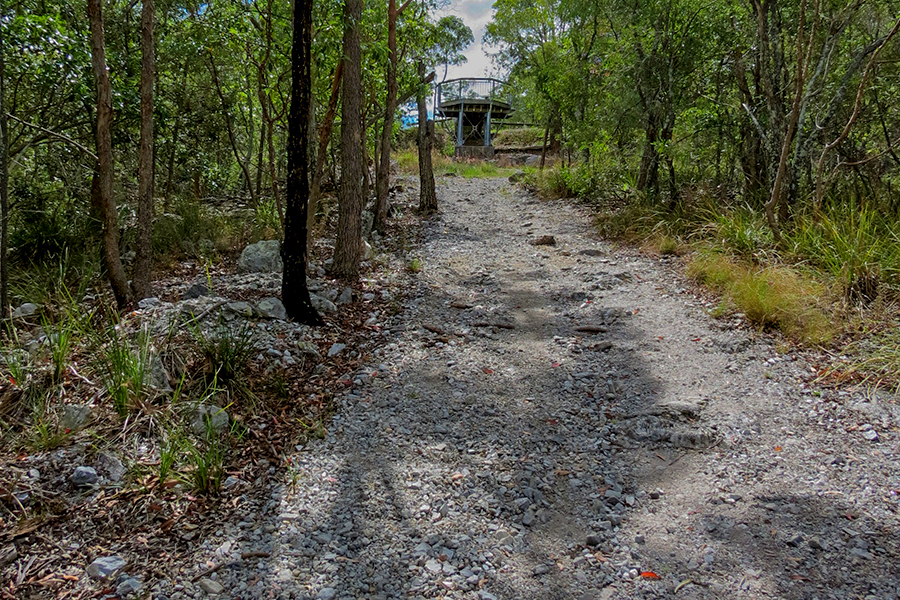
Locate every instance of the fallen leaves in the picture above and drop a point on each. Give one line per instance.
(650, 575)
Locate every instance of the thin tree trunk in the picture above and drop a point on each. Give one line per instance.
(4, 179)
(427, 194)
(321, 155)
(383, 173)
(141, 276)
(260, 158)
(107, 206)
(294, 290)
(230, 128)
(348, 244)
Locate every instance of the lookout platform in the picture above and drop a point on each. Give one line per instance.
(475, 103)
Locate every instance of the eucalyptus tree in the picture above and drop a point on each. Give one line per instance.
(141, 274)
(4, 173)
(348, 242)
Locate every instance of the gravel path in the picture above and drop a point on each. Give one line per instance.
(501, 452)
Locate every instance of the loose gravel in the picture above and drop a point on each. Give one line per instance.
(567, 421)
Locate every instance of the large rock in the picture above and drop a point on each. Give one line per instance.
(261, 257)
(533, 160)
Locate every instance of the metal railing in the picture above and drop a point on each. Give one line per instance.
(480, 89)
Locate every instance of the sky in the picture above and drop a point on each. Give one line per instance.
(476, 14)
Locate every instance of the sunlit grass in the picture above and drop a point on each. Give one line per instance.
(408, 163)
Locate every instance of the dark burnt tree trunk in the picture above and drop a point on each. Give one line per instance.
(140, 277)
(106, 204)
(348, 243)
(427, 194)
(294, 292)
(4, 180)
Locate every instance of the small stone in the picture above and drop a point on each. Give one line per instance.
(528, 518)
(240, 308)
(24, 310)
(871, 435)
(816, 544)
(146, 303)
(209, 416)
(593, 541)
(271, 308)
(322, 304)
(105, 566)
(544, 240)
(336, 349)
(114, 467)
(541, 570)
(639, 539)
(128, 586)
(795, 541)
(195, 291)
(433, 566)
(655, 495)
(211, 587)
(346, 297)
(74, 416)
(84, 476)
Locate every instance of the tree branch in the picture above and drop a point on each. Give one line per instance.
(55, 134)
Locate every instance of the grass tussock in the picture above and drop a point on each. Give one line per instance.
(408, 163)
(772, 297)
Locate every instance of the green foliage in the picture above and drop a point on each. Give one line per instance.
(227, 350)
(856, 244)
(125, 368)
(522, 137)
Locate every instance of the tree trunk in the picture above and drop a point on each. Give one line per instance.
(229, 127)
(427, 194)
(648, 176)
(140, 277)
(108, 216)
(348, 244)
(4, 180)
(294, 291)
(383, 173)
(324, 137)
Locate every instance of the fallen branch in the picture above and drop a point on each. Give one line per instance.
(488, 324)
(213, 569)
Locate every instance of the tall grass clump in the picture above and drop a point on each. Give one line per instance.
(854, 243)
(227, 351)
(771, 297)
(125, 368)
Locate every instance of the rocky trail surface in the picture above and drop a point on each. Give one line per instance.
(567, 422)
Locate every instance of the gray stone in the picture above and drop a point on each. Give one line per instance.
(533, 160)
(25, 310)
(346, 297)
(157, 376)
(195, 291)
(211, 587)
(871, 435)
(322, 304)
(368, 219)
(240, 308)
(326, 594)
(216, 417)
(145, 303)
(816, 544)
(433, 566)
(528, 518)
(309, 349)
(84, 476)
(115, 468)
(261, 257)
(336, 349)
(367, 251)
(271, 308)
(541, 570)
(105, 566)
(128, 586)
(73, 417)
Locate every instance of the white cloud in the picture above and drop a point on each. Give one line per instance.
(476, 14)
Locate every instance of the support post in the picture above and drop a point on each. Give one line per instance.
(459, 125)
(487, 127)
